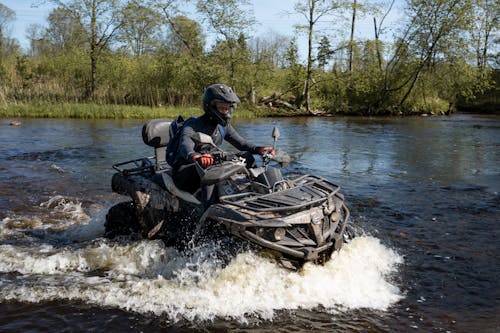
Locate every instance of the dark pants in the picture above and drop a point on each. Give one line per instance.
(187, 179)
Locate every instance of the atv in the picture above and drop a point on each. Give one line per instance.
(297, 218)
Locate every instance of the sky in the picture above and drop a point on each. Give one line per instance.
(271, 16)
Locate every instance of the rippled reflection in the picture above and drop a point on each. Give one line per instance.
(424, 199)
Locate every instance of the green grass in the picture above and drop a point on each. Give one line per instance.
(429, 105)
(110, 111)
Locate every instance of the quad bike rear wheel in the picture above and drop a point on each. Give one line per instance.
(121, 220)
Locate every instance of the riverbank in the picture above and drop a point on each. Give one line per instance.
(84, 111)
(117, 111)
(110, 111)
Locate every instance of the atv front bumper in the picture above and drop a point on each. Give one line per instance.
(304, 223)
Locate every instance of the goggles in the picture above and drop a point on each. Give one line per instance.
(223, 107)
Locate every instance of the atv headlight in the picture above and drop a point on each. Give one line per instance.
(279, 234)
(315, 218)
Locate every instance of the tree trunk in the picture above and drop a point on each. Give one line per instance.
(93, 65)
(484, 55)
(307, 85)
(1, 44)
(377, 44)
(93, 49)
(425, 62)
(233, 66)
(351, 41)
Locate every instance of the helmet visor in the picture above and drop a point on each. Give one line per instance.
(224, 108)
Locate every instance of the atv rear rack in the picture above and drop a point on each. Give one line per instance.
(311, 191)
(139, 165)
(133, 167)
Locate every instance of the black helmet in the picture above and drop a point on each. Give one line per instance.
(219, 93)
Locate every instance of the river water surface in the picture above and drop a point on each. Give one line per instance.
(423, 194)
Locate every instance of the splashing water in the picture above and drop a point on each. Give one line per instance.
(147, 277)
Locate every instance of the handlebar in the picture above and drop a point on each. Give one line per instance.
(220, 157)
(266, 158)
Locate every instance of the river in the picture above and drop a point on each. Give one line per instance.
(423, 194)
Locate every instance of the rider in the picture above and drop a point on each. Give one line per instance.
(218, 103)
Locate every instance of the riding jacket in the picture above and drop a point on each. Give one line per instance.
(205, 124)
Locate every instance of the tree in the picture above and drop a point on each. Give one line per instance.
(351, 40)
(140, 27)
(324, 52)
(313, 11)
(433, 32)
(7, 16)
(486, 21)
(357, 7)
(293, 82)
(101, 20)
(186, 36)
(271, 47)
(267, 56)
(185, 43)
(64, 31)
(35, 34)
(229, 20)
(378, 30)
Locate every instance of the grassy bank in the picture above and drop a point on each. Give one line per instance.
(109, 111)
(114, 111)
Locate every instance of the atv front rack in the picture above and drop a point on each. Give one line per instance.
(308, 191)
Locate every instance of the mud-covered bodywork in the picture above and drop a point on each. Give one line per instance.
(304, 222)
(299, 218)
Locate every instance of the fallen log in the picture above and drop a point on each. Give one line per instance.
(274, 101)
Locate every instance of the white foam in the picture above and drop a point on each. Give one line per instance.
(86, 229)
(64, 208)
(146, 277)
(63, 215)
